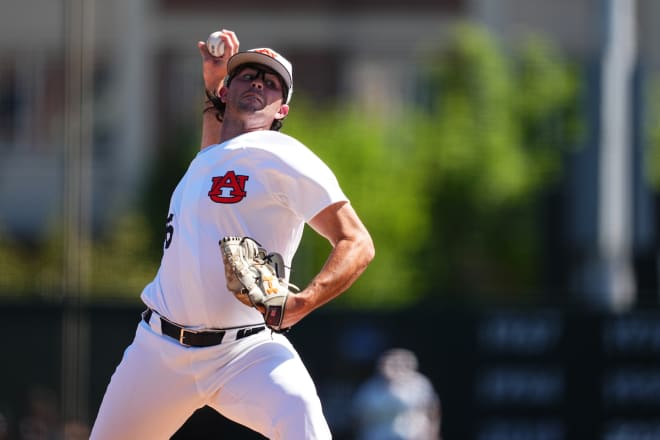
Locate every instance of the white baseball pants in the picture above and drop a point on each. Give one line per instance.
(259, 381)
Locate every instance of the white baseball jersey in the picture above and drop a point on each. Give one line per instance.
(264, 185)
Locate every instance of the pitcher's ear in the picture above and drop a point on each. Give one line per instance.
(222, 93)
(283, 112)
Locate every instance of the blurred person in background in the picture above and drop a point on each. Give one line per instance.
(41, 420)
(397, 402)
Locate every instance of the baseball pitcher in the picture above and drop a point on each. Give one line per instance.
(213, 329)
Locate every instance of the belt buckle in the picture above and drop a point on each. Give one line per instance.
(182, 333)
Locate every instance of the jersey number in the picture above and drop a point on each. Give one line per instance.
(169, 231)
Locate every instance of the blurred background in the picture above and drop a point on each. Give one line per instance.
(504, 154)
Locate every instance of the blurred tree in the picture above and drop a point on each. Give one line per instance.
(377, 166)
(175, 151)
(31, 269)
(653, 146)
(14, 259)
(449, 188)
(502, 124)
(451, 195)
(124, 261)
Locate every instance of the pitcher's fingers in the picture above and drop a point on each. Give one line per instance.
(203, 50)
(231, 42)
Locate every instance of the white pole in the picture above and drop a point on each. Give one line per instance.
(615, 200)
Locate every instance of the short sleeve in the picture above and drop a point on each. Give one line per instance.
(300, 180)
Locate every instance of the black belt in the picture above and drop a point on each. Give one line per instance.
(194, 338)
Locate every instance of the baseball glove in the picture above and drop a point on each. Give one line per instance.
(256, 278)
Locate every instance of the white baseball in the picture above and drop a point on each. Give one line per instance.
(215, 44)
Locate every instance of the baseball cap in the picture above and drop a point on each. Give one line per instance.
(267, 57)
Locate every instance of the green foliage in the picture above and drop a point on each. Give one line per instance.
(448, 187)
(380, 175)
(167, 168)
(451, 195)
(31, 269)
(123, 262)
(501, 126)
(119, 265)
(14, 264)
(653, 148)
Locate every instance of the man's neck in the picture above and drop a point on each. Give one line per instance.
(235, 127)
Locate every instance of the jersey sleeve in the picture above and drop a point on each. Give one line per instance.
(300, 180)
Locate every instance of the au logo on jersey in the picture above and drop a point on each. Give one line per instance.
(229, 188)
